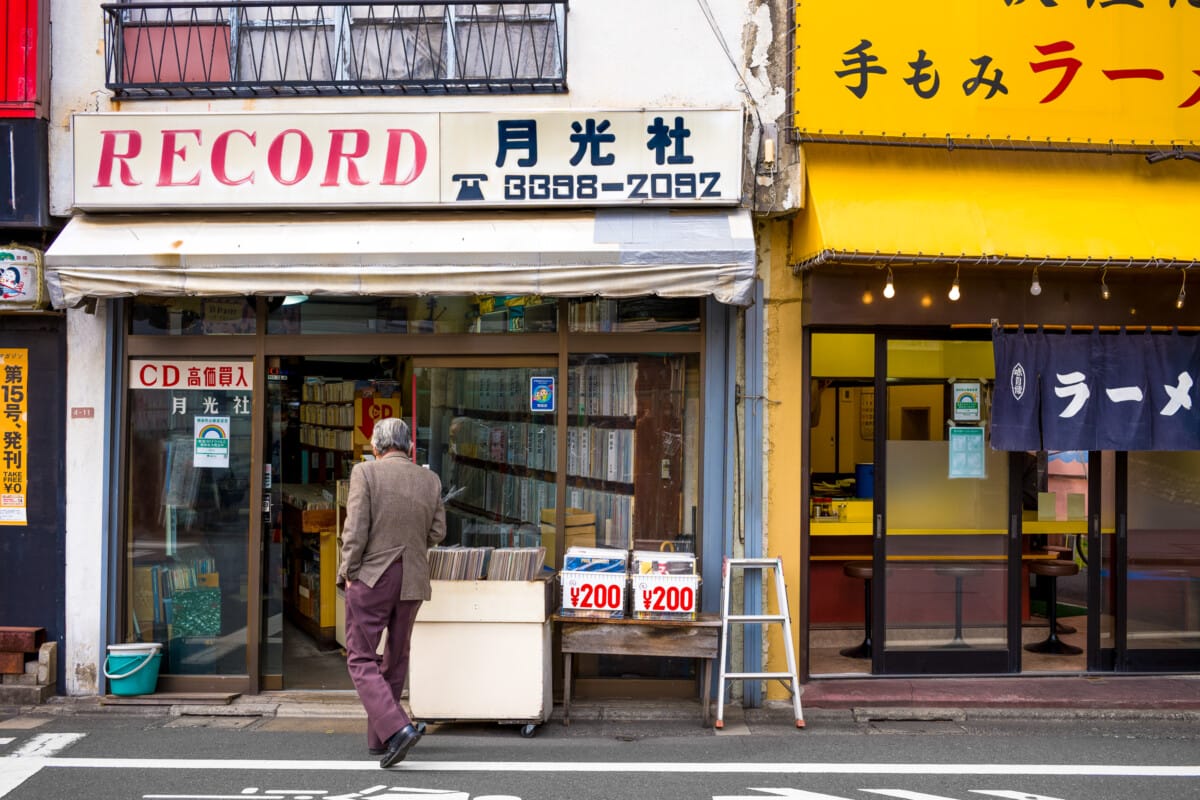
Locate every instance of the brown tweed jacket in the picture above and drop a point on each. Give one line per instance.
(394, 510)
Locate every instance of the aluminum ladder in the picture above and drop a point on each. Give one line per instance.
(789, 679)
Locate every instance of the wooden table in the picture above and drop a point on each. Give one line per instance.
(699, 639)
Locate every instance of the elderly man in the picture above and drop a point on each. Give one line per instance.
(394, 514)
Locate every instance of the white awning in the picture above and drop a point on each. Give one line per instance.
(609, 252)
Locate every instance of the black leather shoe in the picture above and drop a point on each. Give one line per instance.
(378, 751)
(398, 746)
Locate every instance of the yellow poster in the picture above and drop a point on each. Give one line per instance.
(14, 430)
(371, 407)
(1086, 72)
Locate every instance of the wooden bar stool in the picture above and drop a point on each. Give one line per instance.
(865, 572)
(1052, 570)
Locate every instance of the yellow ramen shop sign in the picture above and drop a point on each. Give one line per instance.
(1041, 71)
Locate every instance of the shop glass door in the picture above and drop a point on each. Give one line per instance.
(1161, 568)
(1067, 521)
(189, 519)
(942, 570)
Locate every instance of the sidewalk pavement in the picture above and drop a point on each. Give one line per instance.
(1030, 697)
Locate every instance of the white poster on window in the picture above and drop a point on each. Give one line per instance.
(967, 453)
(212, 442)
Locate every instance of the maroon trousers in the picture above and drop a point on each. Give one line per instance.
(379, 681)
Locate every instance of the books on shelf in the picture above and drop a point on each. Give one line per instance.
(325, 390)
(327, 438)
(306, 496)
(338, 415)
(158, 588)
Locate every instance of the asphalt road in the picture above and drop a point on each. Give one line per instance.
(202, 758)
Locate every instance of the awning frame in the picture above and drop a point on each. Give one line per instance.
(856, 258)
(617, 252)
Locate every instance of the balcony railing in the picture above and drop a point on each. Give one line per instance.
(263, 48)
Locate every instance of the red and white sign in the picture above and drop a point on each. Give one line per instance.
(665, 596)
(184, 375)
(245, 160)
(578, 157)
(594, 594)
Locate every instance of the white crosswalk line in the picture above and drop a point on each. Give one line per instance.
(14, 772)
(45, 745)
(780, 794)
(634, 767)
(905, 794)
(1009, 794)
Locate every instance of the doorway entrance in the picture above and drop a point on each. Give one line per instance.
(471, 425)
(925, 544)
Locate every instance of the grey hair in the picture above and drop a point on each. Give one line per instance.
(391, 434)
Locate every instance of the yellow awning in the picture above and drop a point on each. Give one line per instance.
(874, 204)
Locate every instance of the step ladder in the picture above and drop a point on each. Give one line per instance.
(784, 618)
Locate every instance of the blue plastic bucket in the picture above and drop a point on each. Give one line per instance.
(864, 481)
(133, 668)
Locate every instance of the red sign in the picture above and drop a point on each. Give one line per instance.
(594, 592)
(191, 375)
(23, 41)
(659, 596)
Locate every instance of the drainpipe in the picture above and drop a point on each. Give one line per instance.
(752, 494)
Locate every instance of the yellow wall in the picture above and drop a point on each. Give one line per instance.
(782, 442)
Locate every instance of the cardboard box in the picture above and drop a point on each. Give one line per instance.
(576, 517)
(581, 532)
(581, 536)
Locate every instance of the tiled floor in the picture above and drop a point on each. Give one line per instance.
(825, 644)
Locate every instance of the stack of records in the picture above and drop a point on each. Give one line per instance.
(653, 562)
(515, 563)
(594, 559)
(457, 563)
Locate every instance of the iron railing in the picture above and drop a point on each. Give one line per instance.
(265, 48)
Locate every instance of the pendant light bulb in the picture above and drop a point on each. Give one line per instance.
(1035, 288)
(889, 289)
(1104, 292)
(954, 291)
(1182, 289)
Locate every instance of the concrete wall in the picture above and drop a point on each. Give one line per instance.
(85, 464)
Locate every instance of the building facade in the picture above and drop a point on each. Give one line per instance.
(979, 345)
(33, 352)
(527, 228)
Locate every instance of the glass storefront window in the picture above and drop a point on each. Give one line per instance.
(429, 314)
(495, 453)
(841, 499)
(189, 512)
(632, 437)
(1163, 594)
(633, 315)
(192, 316)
